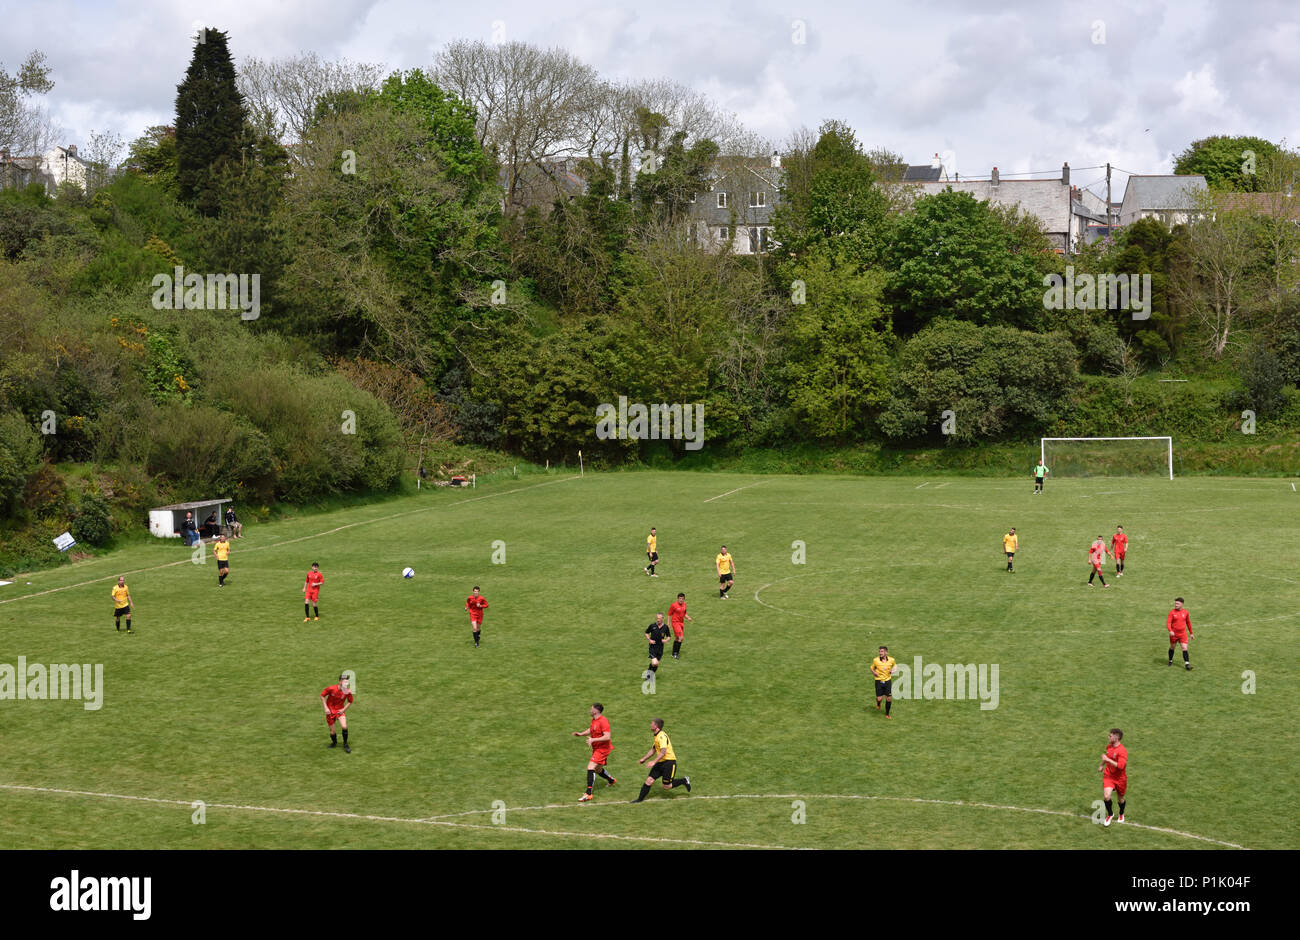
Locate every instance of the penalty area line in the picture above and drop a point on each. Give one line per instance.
(736, 490)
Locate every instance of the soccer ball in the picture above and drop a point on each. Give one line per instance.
(408, 572)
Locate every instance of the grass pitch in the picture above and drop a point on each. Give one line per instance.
(771, 712)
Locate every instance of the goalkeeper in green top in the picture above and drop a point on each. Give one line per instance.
(1040, 471)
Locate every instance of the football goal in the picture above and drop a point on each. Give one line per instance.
(1108, 456)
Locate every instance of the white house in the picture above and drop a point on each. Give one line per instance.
(1169, 198)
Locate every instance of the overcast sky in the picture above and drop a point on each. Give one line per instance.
(1023, 85)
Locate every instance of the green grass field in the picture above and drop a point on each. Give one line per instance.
(216, 699)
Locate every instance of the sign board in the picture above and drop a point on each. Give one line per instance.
(64, 542)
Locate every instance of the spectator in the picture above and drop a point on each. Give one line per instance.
(210, 527)
(191, 533)
(235, 525)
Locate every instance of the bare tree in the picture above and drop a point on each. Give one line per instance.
(1127, 366)
(103, 154)
(1220, 282)
(530, 104)
(281, 94)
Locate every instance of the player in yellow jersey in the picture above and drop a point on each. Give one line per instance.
(221, 548)
(883, 667)
(652, 552)
(663, 762)
(726, 565)
(122, 604)
(1010, 542)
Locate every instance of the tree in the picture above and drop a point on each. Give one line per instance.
(1221, 280)
(211, 121)
(21, 123)
(1228, 163)
(153, 156)
(831, 195)
(836, 368)
(282, 95)
(955, 256)
(528, 103)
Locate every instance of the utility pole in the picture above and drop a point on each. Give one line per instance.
(1108, 218)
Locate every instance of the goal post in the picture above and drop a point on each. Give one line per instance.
(1107, 456)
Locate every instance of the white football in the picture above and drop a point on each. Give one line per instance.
(408, 572)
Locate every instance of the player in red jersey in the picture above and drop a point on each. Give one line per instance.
(476, 603)
(1179, 625)
(602, 742)
(336, 700)
(1096, 556)
(678, 615)
(1114, 773)
(311, 592)
(1118, 548)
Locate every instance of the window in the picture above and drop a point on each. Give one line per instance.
(724, 233)
(693, 197)
(757, 200)
(722, 200)
(753, 241)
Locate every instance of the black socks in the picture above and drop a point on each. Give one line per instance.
(888, 704)
(591, 780)
(1108, 808)
(677, 647)
(645, 791)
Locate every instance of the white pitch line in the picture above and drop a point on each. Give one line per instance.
(926, 483)
(444, 820)
(429, 821)
(303, 538)
(736, 490)
(942, 485)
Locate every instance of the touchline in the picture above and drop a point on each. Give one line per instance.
(37, 681)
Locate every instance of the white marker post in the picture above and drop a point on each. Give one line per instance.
(579, 463)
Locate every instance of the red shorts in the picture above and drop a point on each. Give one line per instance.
(1177, 637)
(331, 717)
(1119, 786)
(312, 596)
(1119, 556)
(475, 621)
(601, 755)
(679, 630)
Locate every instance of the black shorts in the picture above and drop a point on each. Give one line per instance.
(664, 770)
(1038, 481)
(223, 566)
(653, 556)
(656, 652)
(1011, 554)
(725, 578)
(884, 688)
(122, 611)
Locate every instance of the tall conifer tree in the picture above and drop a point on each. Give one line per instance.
(211, 121)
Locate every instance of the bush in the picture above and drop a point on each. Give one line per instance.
(996, 381)
(93, 523)
(20, 456)
(1264, 379)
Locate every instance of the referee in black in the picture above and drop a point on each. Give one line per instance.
(655, 635)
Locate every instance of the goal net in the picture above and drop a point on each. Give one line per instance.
(1108, 456)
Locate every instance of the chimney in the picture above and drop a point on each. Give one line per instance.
(72, 150)
(776, 160)
(936, 162)
(4, 154)
(996, 179)
(1065, 174)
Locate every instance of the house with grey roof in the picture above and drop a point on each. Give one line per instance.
(737, 208)
(1170, 198)
(932, 172)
